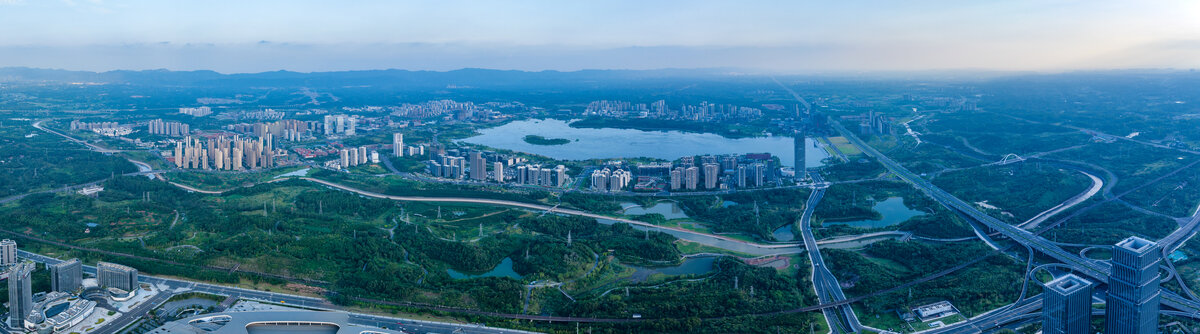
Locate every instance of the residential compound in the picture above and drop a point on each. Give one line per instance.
(110, 129)
(474, 165)
(340, 125)
(353, 156)
(704, 112)
(873, 123)
(611, 180)
(171, 129)
(454, 110)
(197, 112)
(718, 172)
(287, 129)
(226, 153)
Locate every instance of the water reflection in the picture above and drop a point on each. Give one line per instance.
(893, 211)
(624, 143)
(668, 209)
(504, 269)
(690, 266)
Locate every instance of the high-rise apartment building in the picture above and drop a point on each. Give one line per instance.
(619, 179)
(478, 166)
(1133, 288)
(759, 172)
(691, 177)
(1067, 306)
(740, 178)
(560, 176)
(66, 276)
(712, 173)
(20, 294)
(8, 252)
(498, 171)
(677, 178)
(112, 275)
(328, 124)
(398, 144)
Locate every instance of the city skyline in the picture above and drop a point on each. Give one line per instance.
(532, 35)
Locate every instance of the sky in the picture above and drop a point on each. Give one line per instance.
(760, 36)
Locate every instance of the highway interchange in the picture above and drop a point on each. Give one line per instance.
(1098, 271)
(833, 302)
(1095, 270)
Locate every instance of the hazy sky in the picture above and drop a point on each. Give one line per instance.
(786, 36)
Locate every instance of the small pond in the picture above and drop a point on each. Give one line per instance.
(784, 233)
(297, 173)
(893, 211)
(668, 209)
(504, 269)
(690, 266)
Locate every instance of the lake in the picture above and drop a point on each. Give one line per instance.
(504, 269)
(690, 266)
(668, 209)
(608, 143)
(893, 211)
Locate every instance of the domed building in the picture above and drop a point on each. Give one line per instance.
(57, 311)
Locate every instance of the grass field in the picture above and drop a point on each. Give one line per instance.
(844, 145)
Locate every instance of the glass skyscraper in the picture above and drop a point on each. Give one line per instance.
(1067, 306)
(1133, 293)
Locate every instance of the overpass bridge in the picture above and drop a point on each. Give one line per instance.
(1096, 271)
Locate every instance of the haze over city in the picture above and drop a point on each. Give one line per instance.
(761, 36)
(600, 167)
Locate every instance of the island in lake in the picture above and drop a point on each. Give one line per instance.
(539, 140)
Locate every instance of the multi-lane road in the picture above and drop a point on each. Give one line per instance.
(1097, 271)
(841, 319)
(174, 286)
(699, 237)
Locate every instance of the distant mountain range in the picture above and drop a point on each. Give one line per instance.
(489, 78)
(470, 77)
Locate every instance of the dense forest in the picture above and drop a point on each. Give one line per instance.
(380, 249)
(755, 213)
(43, 161)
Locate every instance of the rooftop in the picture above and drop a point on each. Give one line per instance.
(1068, 283)
(1136, 244)
(115, 266)
(268, 322)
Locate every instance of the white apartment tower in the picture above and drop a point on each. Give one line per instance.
(8, 252)
(398, 144)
